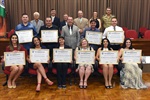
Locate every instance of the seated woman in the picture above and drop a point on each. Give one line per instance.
(107, 68)
(16, 70)
(85, 70)
(61, 67)
(36, 43)
(131, 74)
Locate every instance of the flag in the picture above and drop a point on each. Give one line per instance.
(2, 8)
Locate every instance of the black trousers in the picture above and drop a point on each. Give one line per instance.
(61, 73)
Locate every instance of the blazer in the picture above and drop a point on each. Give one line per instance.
(71, 40)
(63, 23)
(56, 21)
(81, 25)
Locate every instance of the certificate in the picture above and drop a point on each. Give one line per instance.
(39, 55)
(49, 35)
(94, 37)
(108, 57)
(115, 36)
(131, 56)
(14, 58)
(85, 57)
(25, 36)
(62, 55)
(146, 59)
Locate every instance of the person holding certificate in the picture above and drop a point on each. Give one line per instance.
(92, 28)
(39, 67)
(131, 74)
(107, 68)
(84, 69)
(61, 67)
(16, 70)
(26, 25)
(113, 27)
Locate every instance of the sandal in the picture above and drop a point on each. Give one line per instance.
(48, 81)
(38, 87)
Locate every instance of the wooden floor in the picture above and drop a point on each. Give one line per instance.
(26, 90)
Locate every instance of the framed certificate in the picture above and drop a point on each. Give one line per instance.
(94, 37)
(39, 55)
(49, 35)
(115, 36)
(25, 36)
(85, 57)
(108, 57)
(62, 55)
(146, 59)
(131, 56)
(14, 58)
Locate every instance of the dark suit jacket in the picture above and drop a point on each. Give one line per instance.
(63, 23)
(56, 22)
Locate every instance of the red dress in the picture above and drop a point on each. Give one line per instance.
(16, 48)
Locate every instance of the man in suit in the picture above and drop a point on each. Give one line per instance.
(64, 22)
(37, 22)
(55, 20)
(71, 34)
(81, 22)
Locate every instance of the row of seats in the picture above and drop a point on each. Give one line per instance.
(143, 33)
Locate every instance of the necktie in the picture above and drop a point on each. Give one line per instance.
(70, 30)
(114, 28)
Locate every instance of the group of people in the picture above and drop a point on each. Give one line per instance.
(72, 35)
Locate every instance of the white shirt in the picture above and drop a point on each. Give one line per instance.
(111, 28)
(53, 17)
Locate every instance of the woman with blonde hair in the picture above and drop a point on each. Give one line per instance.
(84, 70)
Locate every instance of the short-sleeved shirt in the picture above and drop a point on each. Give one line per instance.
(107, 20)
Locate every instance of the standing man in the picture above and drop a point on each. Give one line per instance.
(26, 25)
(93, 29)
(113, 27)
(37, 22)
(55, 20)
(49, 26)
(81, 22)
(106, 19)
(71, 34)
(64, 22)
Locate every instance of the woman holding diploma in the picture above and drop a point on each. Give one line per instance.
(107, 68)
(16, 70)
(131, 74)
(85, 70)
(39, 67)
(61, 67)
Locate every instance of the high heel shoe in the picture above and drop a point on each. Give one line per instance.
(107, 87)
(85, 86)
(38, 87)
(110, 86)
(13, 85)
(81, 86)
(9, 87)
(48, 81)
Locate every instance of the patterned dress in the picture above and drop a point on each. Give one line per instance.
(131, 76)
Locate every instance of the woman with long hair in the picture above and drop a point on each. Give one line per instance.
(85, 70)
(39, 67)
(131, 74)
(107, 68)
(16, 70)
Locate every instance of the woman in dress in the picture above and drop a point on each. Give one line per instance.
(85, 70)
(107, 68)
(16, 70)
(98, 21)
(131, 74)
(39, 67)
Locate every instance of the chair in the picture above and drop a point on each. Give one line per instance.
(69, 71)
(10, 33)
(147, 34)
(33, 71)
(142, 31)
(125, 29)
(132, 34)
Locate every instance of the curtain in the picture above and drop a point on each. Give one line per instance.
(130, 13)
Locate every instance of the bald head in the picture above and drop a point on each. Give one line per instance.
(36, 15)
